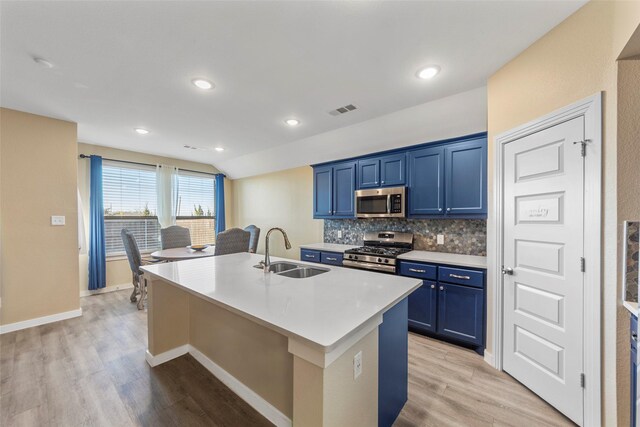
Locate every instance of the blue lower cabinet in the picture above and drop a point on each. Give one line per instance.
(393, 363)
(331, 258)
(309, 255)
(423, 307)
(461, 313)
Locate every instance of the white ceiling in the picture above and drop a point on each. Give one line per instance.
(120, 65)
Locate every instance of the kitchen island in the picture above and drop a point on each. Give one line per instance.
(328, 350)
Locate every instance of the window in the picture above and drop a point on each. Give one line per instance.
(130, 202)
(196, 209)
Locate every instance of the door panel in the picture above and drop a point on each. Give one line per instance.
(344, 187)
(393, 170)
(543, 244)
(369, 173)
(322, 191)
(426, 181)
(466, 178)
(423, 306)
(461, 313)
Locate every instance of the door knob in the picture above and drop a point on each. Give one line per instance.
(442, 288)
(507, 270)
(433, 286)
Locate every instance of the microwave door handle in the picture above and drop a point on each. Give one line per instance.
(388, 203)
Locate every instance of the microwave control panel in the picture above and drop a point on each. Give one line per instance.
(396, 203)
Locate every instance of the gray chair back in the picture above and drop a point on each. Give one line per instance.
(175, 237)
(131, 248)
(255, 235)
(232, 241)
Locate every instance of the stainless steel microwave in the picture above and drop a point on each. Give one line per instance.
(380, 203)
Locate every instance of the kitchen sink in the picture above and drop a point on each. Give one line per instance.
(279, 267)
(303, 272)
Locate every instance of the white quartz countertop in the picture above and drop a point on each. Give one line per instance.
(632, 306)
(329, 247)
(445, 258)
(323, 310)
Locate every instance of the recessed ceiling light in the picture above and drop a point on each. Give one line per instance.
(292, 122)
(202, 84)
(428, 72)
(141, 131)
(43, 62)
(219, 149)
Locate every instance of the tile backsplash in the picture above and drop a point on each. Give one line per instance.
(461, 236)
(632, 265)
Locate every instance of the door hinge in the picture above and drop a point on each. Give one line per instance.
(582, 381)
(583, 147)
(582, 265)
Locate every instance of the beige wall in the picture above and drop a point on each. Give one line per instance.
(118, 272)
(280, 199)
(38, 176)
(574, 60)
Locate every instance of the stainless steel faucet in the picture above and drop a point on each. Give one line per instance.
(267, 261)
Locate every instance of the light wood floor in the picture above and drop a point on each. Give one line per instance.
(91, 371)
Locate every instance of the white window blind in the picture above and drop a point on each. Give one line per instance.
(130, 202)
(196, 205)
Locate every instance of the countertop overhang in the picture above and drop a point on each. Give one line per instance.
(322, 312)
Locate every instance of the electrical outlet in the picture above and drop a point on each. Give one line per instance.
(440, 239)
(357, 365)
(57, 220)
(339, 234)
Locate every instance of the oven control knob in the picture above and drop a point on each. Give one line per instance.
(379, 260)
(386, 261)
(355, 257)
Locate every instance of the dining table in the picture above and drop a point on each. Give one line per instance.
(177, 254)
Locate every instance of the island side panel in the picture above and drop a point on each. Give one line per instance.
(331, 397)
(256, 356)
(168, 315)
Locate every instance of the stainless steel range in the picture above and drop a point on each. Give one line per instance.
(379, 252)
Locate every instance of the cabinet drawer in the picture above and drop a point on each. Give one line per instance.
(461, 276)
(332, 258)
(309, 255)
(420, 271)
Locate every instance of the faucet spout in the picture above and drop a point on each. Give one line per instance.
(287, 244)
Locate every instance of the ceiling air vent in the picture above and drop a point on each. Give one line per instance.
(343, 110)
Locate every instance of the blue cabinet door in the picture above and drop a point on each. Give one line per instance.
(393, 170)
(423, 307)
(344, 186)
(322, 191)
(461, 313)
(466, 178)
(368, 173)
(426, 182)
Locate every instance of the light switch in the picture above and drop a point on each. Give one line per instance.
(57, 220)
(339, 234)
(440, 239)
(357, 365)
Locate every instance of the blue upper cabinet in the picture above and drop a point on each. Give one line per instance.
(426, 182)
(392, 170)
(466, 178)
(344, 186)
(333, 190)
(386, 171)
(368, 173)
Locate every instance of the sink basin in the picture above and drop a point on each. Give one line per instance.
(278, 267)
(303, 272)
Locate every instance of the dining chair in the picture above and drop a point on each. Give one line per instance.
(175, 237)
(232, 241)
(135, 262)
(255, 235)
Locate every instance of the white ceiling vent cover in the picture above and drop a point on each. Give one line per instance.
(343, 110)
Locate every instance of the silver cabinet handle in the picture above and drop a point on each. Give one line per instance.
(433, 286)
(442, 288)
(309, 256)
(383, 181)
(457, 276)
(439, 209)
(448, 209)
(415, 270)
(331, 259)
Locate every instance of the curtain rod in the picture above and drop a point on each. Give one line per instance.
(84, 156)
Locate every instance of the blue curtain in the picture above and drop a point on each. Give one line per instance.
(97, 247)
(220, 223)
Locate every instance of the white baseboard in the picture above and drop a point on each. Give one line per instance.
(11, 327)
(488, 357)
(166, 356)
(112, 288)
(258, 403)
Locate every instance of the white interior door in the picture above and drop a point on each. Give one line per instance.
(544, 245)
